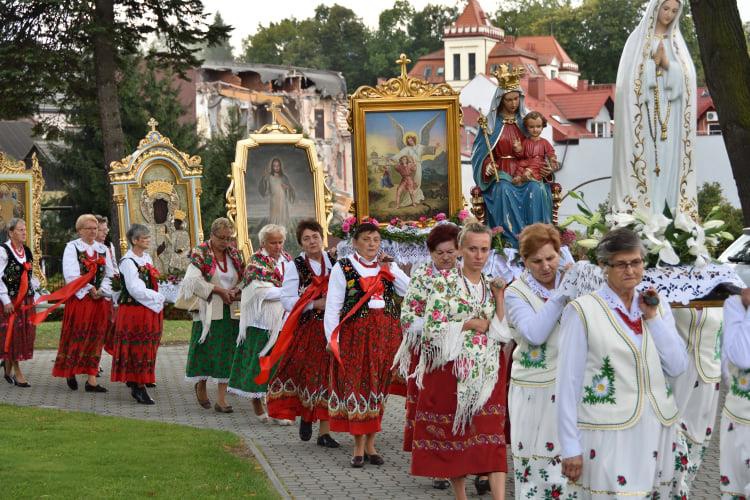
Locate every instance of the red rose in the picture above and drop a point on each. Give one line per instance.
(592, 454)
(684, 459)
(621, 480)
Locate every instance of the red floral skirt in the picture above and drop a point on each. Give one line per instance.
(436, 451)
(24, 333)
(359, 384)
(412, 395)
(109, 338)
(136, 338)
(84, 327)
(398, 385)
(300, 385)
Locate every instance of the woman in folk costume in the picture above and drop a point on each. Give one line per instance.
(696, 391)
(209, 288)
(101, 237)
(300, 385)
(655, 109)
(534, 305)
(362, 329)
(17, 332)
(442, 242)
(261, 317)
(616, 412)
(87, 314)
(139, 318)
(735, 419)
(460, 416)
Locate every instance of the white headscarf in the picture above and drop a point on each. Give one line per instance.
(630, 172)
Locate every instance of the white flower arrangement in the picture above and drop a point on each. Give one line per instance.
(668, 240)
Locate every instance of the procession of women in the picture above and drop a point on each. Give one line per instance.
(567, 394)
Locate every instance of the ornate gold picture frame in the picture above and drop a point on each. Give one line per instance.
(276, 178)
(407, 159)
(160, 186)
(21, 196)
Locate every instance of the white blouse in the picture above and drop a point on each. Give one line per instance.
(337, 290)
(290, 287)
(736, 341)
(574, 349)
(274, 293)
(135, 285)
(535, 326)
(72, 269)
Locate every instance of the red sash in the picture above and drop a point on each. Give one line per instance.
(371, 285)
(318, 288)
(23, 288)
(59, 297)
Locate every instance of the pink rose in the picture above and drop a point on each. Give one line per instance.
(395, 221)
(497, 229)
(462, 215)
(350, 220)
(422, 218)
(440, 217)
(345, 227)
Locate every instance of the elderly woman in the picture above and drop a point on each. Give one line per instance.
(17, 332)
(735, 419)
(534, 308)
(300, 385)
(460, 415)
(442, 242)
(88, 273)
(362, 329)
(209, 288)
(616, 411)
(139, 318)
(262, 317)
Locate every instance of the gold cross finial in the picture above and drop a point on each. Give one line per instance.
(152, 123)
(274, 109)
(403, 61)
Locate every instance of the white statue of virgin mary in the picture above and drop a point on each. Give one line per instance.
(655, 117)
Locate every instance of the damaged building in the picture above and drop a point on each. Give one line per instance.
(310, 101)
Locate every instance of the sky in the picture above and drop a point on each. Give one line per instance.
(246, 15)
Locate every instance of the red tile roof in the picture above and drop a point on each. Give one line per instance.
(558, 86)
(580, 105)
(473, 15)
(704, 102)
(433, 61)
(546, 45)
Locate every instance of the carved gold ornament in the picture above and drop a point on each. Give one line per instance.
(508, 78)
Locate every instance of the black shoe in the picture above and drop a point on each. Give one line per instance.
(374, 459)
(19, 384)
(140, 395)
(132, 385)
(151, 386)
(73, 383)
(440, 484)
(99, 372)
(358, 462)
(482, 485)
(94, 388)
(305, 430)
(327, 441)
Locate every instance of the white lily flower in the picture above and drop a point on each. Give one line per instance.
(697, 244)
(620, 219)
(700, 261)
(713, 224)
(587, 243)
(668, 255)
(684, 222)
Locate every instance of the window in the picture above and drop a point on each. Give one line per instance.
(714, 129)
(427, 71)
(552, 74)
(472, 65)
(532, 69)
(440, 71)
(599, 129)
(456, 66)
(493, 67)
(320, 124)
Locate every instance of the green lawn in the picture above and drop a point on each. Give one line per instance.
(59, 454)
(175, 332)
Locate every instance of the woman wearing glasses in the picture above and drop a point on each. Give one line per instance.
(616, 412)
(208, 289)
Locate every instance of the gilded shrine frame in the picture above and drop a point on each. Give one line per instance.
(400, 100)
(158, 169)
(21, 192)
(297, 161)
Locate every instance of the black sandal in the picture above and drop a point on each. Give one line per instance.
(482, 485)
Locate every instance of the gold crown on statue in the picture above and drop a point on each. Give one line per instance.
(508, 78)
(154, 187)
(179, 214)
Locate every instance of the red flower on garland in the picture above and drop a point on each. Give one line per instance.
(621, 480)
(592, 454)
(724, 480)
(708, 431)
(549, 446)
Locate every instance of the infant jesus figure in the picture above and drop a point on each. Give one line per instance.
(538, 156)
(407, 167)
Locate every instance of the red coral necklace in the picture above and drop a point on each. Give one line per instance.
(221, 261)
(20, 254)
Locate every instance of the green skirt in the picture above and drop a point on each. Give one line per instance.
(246, 365)
(213, 358)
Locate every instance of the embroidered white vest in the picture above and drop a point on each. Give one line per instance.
(619, 378)
(703, 338)
(737, 405)
(533, 365)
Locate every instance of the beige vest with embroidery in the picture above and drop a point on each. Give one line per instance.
(737, 405)
(619, 378)
(533, 365)
(703, 338)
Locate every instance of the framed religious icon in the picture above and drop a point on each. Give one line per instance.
(21, 190)
(276, 179)
(160, 187)
(406, 148)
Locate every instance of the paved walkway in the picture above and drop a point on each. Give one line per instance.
(301, 470)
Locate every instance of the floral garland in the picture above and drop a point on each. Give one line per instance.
(414, 232)
(668, 239)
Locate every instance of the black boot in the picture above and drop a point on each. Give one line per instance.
(72, 383)
(140, 395)
(305, 430)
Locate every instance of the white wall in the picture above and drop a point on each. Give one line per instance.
(479, 46)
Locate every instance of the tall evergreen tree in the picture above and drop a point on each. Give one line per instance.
(222, 50)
